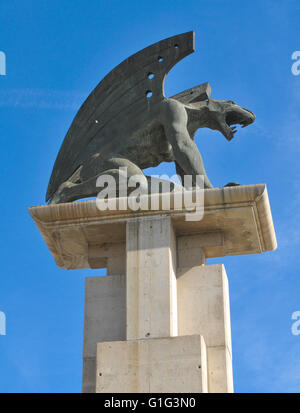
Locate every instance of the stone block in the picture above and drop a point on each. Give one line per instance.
(104, 320)
(219, 370)
(151, 278)
(203, 308)
(160, 365)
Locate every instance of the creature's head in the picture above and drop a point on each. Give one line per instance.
(215, 114)
(223, 115)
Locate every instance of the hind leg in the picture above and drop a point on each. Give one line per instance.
(84, 184)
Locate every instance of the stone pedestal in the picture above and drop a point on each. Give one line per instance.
(160, 320)
(151, 299)
(104, 320)
(203, 307)
(154, 365)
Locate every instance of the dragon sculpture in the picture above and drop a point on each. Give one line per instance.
(128, 122)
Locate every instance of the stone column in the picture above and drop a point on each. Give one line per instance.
(203, 308)
(151, 299)
(160, 320)
(104, 320)
(154, 358)
(104, 306)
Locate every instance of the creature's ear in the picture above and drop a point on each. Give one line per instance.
(195, 94)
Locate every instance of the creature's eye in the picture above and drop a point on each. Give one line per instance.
(232, 102)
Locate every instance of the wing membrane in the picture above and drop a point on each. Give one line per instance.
(117, 103)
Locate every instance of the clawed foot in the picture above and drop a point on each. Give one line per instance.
(60, 195)
(232, 184)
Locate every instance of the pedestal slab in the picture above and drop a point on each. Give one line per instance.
(203, 306)
(158, 285)
(155, 365)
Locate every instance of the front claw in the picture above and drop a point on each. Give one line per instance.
(61, 195)
(232, 184)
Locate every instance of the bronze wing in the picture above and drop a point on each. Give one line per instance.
(122, 101)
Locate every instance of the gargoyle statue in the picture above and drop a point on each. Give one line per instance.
(128, 122)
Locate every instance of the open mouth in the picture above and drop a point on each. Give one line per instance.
(239, 117)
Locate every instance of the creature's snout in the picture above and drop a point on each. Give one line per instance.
(229, 115)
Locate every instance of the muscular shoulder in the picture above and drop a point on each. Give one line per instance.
(173, 112)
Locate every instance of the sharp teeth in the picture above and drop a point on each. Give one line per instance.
(244, 124)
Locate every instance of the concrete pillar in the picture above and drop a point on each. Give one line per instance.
(151, 300)
(108, 255)
(104, 320)
(203, 308)
(155, 365)
(237, 221)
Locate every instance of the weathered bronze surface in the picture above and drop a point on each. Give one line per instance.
(128, 122)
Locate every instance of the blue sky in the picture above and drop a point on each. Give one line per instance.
(56, 52)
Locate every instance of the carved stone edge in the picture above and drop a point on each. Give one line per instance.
(50, 217)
